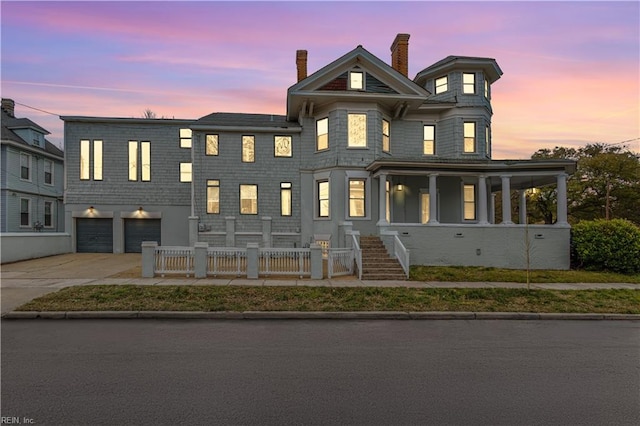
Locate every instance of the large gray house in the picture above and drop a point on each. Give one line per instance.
(31, 178)
(362, 147)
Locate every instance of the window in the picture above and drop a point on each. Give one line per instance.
(85, 159)
(185, 172)
(248, 149)
(25, 167)
(469, 202)
(48, 214)
(213, 196)
(487, 139)
(357, 198)
(282, 146)
(322, 134)
(211, 146)
(145, 157)
(468, 83)
(285, 198)
(429, 139)
(323, 198)
(386, 146)
(25, 212)
(48, 172)
(357, 131)
(424, 207)
(248, 199)
(356, 80)
(469, 137)
(442, 84)
(486, 88)
(185, 138)
(133, 160)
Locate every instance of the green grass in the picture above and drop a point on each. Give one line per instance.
(232, 298)
(462, 274)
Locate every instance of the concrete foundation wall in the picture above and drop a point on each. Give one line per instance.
(500, 246)
(23, 246)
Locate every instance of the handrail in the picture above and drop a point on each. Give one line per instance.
(401, 253)
(357, 252)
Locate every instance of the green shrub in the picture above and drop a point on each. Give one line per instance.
(607, 245)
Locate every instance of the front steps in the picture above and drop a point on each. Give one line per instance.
(376, 262)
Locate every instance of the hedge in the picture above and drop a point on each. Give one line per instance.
(607, 245)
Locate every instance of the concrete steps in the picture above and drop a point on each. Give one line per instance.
(376, 262)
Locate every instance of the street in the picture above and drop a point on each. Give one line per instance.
(146, 372)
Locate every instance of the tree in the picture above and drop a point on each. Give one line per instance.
(606, 184)
(148, 113)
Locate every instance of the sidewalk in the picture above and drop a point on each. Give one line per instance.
(21, 282)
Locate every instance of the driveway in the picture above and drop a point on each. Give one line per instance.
(26, 280)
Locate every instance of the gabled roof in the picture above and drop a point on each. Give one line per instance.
(488, 65)
(325, 85)
(10, 123)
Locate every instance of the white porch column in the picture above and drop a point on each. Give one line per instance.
(482, 200)
(562, 199)
(506, 199)
(433, 198)
(523, 207)
(382, 200)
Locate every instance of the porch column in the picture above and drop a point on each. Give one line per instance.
(492, 207)
(482, 200)
(382, 200)
(506, 199)
(562, 199)
(523, 207)
(433, 198)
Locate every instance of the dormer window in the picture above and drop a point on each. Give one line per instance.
(442, 84)
(356, 80)
(468, 83)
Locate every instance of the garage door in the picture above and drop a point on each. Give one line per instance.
(138, 230)
(94, 235)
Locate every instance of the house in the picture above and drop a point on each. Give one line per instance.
(31, 178)
(361, 148)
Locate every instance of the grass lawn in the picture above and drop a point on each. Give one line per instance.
(239, 298)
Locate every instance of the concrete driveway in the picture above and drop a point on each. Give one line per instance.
(26, 280)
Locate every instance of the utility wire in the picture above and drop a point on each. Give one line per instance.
(37, 109)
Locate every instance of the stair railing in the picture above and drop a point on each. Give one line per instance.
(357, 254)
(401, 253)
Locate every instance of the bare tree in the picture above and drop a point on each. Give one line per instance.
(148, 113)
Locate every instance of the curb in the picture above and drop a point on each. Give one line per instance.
(297, 315)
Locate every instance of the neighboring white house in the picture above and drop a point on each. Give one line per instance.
(361, 147)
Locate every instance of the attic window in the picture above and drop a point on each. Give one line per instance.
(356, 80)
(442, 84)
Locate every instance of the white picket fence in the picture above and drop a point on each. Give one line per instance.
(174, 260)
(285, 261)
(226, 261)
(340, 262)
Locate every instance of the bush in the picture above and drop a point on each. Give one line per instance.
(607, 245)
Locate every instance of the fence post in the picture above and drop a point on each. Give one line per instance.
(266, 231)
(345, 229)
(252, 260)
(148, 258)
(200, 260)
(193, 230)
(316, 262)
(231, 231)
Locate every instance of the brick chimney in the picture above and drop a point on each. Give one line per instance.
(400, 54)
(8, 106)
(301, 64)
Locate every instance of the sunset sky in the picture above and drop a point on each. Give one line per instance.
(571, 69)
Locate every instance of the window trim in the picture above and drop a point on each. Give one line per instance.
(240, 198)
(28, 212)
(424, 141)
(85, 159)
(362, 73)
(318, 200)
(438, 88)
(183, 139)
(284, 188)
(318, 135)
(364, 198)
(183, 172)
(363, 176)
(133, 155)
(366, 125)
(29, 166)
(464, 138)
(466, 85)
(472, 202)
(52, 182)
(386, 137)
(486, 88)
(98, 159)
(487, 142)
(253, 148)
(213, 183)
(206, 145)
(51, 214)
(275, 146)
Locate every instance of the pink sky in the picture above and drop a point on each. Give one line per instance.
(571, 69)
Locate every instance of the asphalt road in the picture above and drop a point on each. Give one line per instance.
(146, 372)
